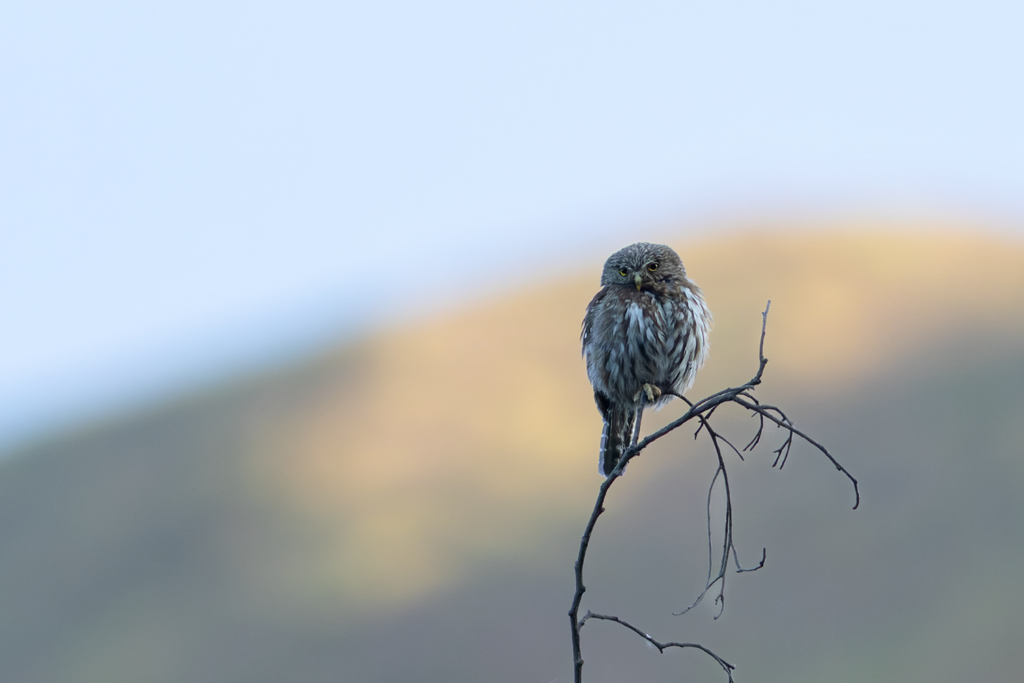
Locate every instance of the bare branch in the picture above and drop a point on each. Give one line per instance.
(702, 410)
(787, 424)
(728, 544)
(661, 647)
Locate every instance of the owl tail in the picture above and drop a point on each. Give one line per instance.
(618, 431)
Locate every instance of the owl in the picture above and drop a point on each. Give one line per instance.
(644, 334)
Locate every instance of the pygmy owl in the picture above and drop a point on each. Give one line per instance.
(645, 334)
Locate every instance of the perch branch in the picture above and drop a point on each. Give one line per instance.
(701, 410)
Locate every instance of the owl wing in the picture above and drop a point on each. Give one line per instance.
(588, 319)
(618, 419)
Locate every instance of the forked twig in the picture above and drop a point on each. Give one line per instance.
(661, 647)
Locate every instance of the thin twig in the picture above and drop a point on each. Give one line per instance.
(661, 647)
(787, 424)
(728, 541)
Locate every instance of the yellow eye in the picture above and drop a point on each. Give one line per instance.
(623, 272)
(653, 267)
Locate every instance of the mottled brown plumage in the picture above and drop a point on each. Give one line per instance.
(646, 332)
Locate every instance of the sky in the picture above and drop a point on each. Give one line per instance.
(189, 190)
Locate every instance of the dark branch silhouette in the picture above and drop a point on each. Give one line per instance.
(726, 666)
(702, 410)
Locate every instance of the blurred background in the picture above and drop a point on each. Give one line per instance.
(290, 385)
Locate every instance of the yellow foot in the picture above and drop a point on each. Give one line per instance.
(653, 392)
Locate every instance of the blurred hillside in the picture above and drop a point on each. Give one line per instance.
(408, 507)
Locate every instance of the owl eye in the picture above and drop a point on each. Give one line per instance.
(623, 272)
(653, 267)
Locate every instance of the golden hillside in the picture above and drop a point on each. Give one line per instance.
(427, 448)
(408, 507)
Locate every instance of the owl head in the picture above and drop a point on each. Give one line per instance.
(642, 265)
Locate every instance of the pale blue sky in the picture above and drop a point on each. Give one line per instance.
(192, 188)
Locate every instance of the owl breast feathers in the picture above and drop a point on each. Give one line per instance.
(647, 326)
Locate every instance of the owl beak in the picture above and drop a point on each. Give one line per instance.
(636, 278)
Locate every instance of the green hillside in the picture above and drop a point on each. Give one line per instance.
(407, 507)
